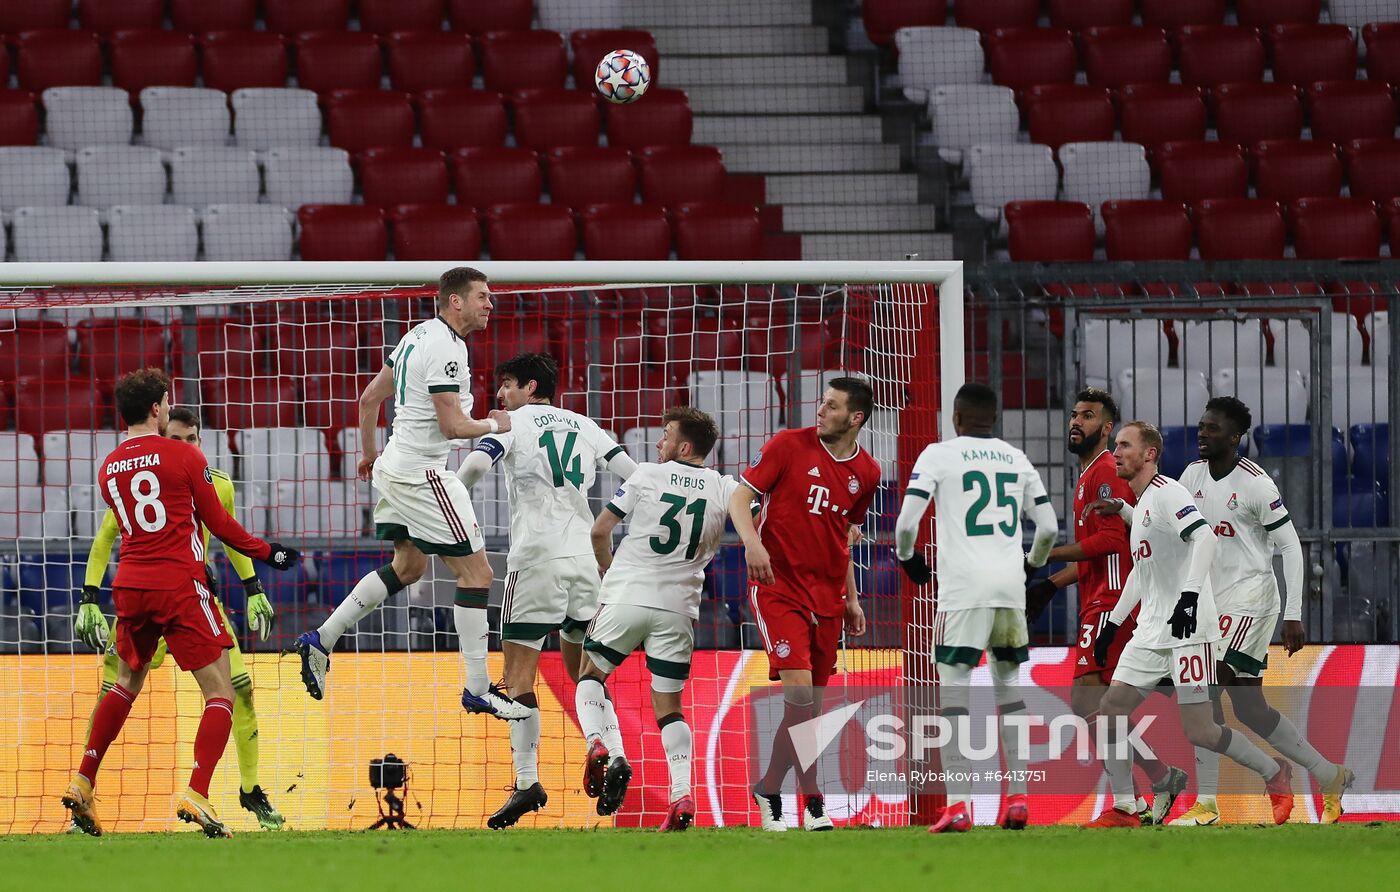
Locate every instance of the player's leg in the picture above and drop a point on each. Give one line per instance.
(522, 659)
(824, 645)
(959, 639)
(1122, 696)
(251, 795)
(1008, 650)
(479, 695)
(216, 723)
(669, 646)
(786, 631)
(614, 633)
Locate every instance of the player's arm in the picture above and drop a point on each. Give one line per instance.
(855, 614)
(454, 423)
(923, 482)
(1127, 602)
(90, 625)
(379, 389)
(484, 457)
(209, 510)
(1197, 533)
(602, 537)
(617, 460)
(741, 514)
(1042, 514)
(261, 616)
(1275, 520)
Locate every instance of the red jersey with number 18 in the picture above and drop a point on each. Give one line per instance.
(810, 500)
(160, 491)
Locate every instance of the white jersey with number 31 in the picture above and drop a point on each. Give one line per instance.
(430, 359)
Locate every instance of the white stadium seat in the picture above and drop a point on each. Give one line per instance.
(931, 56)
(744, 406)
(216, 450)
(282, 453)
(967, 114)
(1004, 172)
(19, 461)
(1359, 396)
(33, 175)
(57, 235)
(1107, 348)
(1378, 327)
(267, 117)
(109, 175)
(87, 116)
(71, 457)
(183, 116)
(1274, 395)
(205, 175)
(34, 512)
(1222, 344)
(1168, 397)
(247, 232)
(308, 176)
(1363, 12)
(88, 508)
(1098, 171)
(881, 438)
(159, 232)
(640, 443)
(348, 442)
(333, 509)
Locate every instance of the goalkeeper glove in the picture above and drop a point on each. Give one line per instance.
(1104, 642)
(280, 557)
(1183, 618)
(916, 568)
(1039, 594)
(91, 625)
(260, 613)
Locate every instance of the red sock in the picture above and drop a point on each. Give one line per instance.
(209, 742)
(107, 721)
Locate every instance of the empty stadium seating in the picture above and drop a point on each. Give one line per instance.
(1192, 171)
(930, 56)
(109, 175)
(183, 116)
(342, 232)
(1263, 13)
(152, 233)
(1050, 231)
(1383, 50)
(522, 60)
(296, 16)
(1286, 169)
(991, 14)
(1208, 55)
(57, 58)
(357, 120)
(19, 118)
(672, 175)
(248, 232)
(429, 59)
(391, 176)
(275, 117)
(199, 16)
(87, 115)
(428, 232)
(32, 175)
(1021, 58)
(1341, 111)
(298, 176)
(1373, 169)
(531, 232)
(1303, 54)
(491, 176)
(1115, 56)
(665, 120)
(1156, 113)
(883, 18)
(583, 175)
(1239, 229)
(152, 58)
(483, 16)
(201, 176)
(1248, 112)
(235, 60)
(548, 118)
(590, 46)
(718, 231)
(452, 118)
(1147, 230)
(57, 235)
(338, 60)
(1061, 113)
(1000, 173)
(1344, 228)
(626, 232)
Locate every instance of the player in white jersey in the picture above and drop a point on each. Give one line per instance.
(550, 456)
(1242, 503)
(675, 511)
(423, 509)
(980, 487)
(1173, 547)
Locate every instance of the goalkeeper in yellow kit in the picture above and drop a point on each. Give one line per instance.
(91, 628)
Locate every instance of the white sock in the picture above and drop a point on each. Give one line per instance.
(612, 731)
(1242, 750)
(676, 741)
(589, 701)
(367, 594)
(1207, 775)
(1009, 703)
(953, 703)
(525, 749)
(471, 640)
(1119, 768)
(1287, 740)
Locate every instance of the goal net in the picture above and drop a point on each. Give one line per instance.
(273, 357)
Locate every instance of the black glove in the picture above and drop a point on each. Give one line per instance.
(916, 568)
(89, 595)
(1183, 619)
(211, 579)
(1039, 594)
(253, 586)
(280, 557)
(1104, 642)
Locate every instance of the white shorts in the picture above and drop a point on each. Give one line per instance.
(1191, 668)
(1245, 647)
(434, 513)
(669, 639)
(560, 594)
(960, 636)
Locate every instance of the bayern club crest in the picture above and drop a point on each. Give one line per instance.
(853, 485)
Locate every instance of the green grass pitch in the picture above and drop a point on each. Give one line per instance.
(1292, 857)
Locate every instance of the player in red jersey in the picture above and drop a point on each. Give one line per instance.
(1100, 560)
(161, 490)
(816, 484)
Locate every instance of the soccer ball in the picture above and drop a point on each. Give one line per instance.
(623, 76)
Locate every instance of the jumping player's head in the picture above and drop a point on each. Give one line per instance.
(527, 378)
(143, 397)
(184, 426)
(845, 408)
(1091, 421)
(687, 435)
(1224, 422)
(1137, 450)
(975, 410)
(464, 299)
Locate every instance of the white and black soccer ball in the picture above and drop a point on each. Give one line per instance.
(623, 76)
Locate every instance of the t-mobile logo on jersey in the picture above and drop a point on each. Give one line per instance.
(818, 498)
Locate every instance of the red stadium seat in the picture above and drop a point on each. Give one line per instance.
(109, 348)
(143, 59)
(1080, 15)
(1191, 171)
(384, 16)
(4, 65)
(1341, 111)
(884, 17)
(548, 118)
(342, 232)
(1285, 169)
(523, 60)
(988, 15)
(484, 16)
(1391, 211)
(56, 404)
(664, 120)
(1117, 56)
(487, 176)
(1264, 13)
(673, 175)
(366, 119)
(33, 348)
(403, 175)
(1219, 54)
(106, 16)
(591, 46)
(58, 59)
(580, 176)
(1021, 58)
(233, 60)
(425, 60)
(338, 60)
(718, 231)
(1239, 229)
(1250, 111)
(199, 16)
(250, 402)
(1304, 54)
(1383, 51)
(1050, 231)
(626, 232)
(333, 400)
(1158, 113)
(531, 232)
(292, 17)
(1335, 229)
(453, 118)
(1061, 113)
(316, 348)
(1173, 14)
(223, 348)
(18, 16)
(1147, 230)
(436, 232)
(1373, 169)
(19, 118)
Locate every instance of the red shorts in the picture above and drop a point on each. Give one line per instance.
(793, 636)
(185, 616)
(1091, 620)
